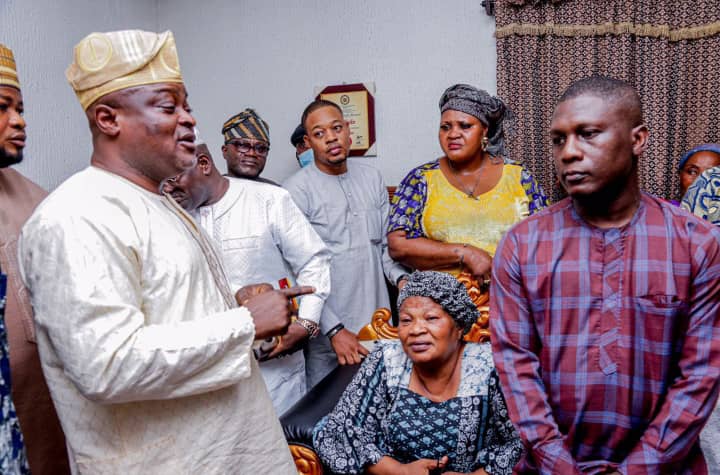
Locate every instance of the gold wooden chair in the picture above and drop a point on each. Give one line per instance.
(380, 327)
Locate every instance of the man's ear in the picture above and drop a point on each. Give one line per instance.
(347, 124)
(204, 165)
(106, 119)
(640, 136)
(224, 150)
(306, 139)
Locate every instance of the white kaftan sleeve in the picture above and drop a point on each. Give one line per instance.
(305, 251)
(85, 276)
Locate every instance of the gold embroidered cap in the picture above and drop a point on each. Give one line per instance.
(8, 69)
(107, 62)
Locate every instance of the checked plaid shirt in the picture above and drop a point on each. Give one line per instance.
(607, 341)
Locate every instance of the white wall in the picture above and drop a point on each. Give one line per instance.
(266, 54)
(42, 34)
(270, 54)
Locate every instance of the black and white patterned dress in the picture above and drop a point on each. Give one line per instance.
(378, 416)
(13, 460)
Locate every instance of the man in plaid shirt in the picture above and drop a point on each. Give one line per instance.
(605, 306)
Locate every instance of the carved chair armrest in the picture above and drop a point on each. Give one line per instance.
(306, 460)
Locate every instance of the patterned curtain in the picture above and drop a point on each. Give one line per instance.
(668, 49)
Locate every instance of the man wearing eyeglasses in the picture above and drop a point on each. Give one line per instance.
(247, 143)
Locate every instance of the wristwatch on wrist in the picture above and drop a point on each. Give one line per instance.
(334, 331)
(311, 327)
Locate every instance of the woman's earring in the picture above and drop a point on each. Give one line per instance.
(484, 144)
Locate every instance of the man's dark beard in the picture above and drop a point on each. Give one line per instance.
(7, 159)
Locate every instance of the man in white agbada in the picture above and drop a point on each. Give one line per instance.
(264, 237)
(146, 354)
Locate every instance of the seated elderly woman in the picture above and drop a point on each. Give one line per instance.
(450, 214)
(427, 402)
(694, 163)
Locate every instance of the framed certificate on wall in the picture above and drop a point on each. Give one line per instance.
(358, 106)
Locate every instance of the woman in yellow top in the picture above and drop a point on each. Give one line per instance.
(451, 213)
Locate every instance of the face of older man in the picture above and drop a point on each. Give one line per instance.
(595, 145)
(245, 157)
(12, 126)
(428, 334)
(190, 188)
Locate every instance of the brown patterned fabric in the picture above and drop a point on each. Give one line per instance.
(531, 2)
(668, 49)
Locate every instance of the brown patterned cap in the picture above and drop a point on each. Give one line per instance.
(246, 124)
(108, 62)
(8, 69)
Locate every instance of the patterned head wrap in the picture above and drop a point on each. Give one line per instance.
(8, 69)
(706, 147)
(703, 197)
(108, 62)
(446, 291)
(246, 125)
(489, 110)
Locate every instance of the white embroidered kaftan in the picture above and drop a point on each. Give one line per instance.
(264, 237)
(149, 367)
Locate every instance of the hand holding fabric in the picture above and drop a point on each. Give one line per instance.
(388, 465)
(424, 466)
(479, 471)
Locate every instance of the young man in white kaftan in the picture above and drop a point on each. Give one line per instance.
(146, 354)
(347, 204)
(263, 237)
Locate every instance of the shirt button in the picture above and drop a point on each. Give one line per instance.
(354, 213)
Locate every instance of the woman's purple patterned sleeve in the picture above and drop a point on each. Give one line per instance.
(538, 199)
(408, 203)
